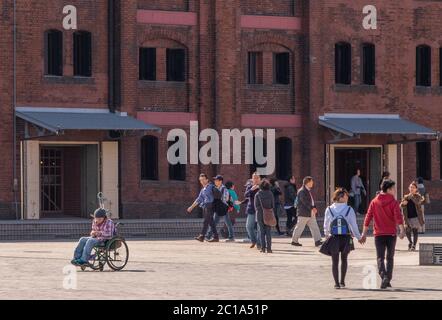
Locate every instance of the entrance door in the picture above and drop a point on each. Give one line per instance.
(369, 160)
(51, 181)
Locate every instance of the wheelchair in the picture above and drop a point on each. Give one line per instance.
(113, 252)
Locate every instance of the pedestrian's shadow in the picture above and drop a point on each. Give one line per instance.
(399, 290)
(111, 271)
(294, 252)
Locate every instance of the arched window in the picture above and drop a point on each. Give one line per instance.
(283, 158)
(82, 54)
(177, 172)
(368, 64)
(149, 158)
(423, 66)
(343, 63)
(54, 53)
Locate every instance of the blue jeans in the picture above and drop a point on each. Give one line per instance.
(358, 201)
(228, 222)
(84, 248)
(252, 231)
(265, 233)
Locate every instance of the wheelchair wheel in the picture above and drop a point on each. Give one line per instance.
(97, 260)
(117, 253)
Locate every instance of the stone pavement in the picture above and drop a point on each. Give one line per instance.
(190, 270)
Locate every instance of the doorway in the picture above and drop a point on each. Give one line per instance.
(347, 160)
(68, 180)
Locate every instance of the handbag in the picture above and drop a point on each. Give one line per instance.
(268, 215)
(325, 248)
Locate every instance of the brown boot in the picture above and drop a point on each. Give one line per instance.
(215, 239)
(200, 238)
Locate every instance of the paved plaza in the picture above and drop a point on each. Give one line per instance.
(190, 270)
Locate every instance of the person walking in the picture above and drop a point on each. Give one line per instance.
(290, 192)
(252, 189)
(276, 191)
(264, 199)
(385, 176)
(413, 215)
(423, 192)
(234, 208)
(221, 204)
(387, 215)
(340, 225)
(205, 201)
(357, 189)
(307, 212)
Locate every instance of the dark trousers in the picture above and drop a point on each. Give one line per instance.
(335, 266)
(409, 231)
(292, 219)
(385, 244)
(265, 236)
(209, 221)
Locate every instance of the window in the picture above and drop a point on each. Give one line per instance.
(148, 64)
(54, 52)
(283, 158)
(423, 160)
(343, 63)
(423, 66)
(177, 172)
(255, 75)
(82, 54)
(281, 63)
(255, 165)
(149, 158)
(368, 64)
(176, 65)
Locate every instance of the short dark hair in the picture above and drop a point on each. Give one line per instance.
(229, 184)
(307, 180)
(265, 185)
(273, 181)
(385, 174)
(387, 184)
(203, 175)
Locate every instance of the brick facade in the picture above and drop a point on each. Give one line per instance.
(216, 89)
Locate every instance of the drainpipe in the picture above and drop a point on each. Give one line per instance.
(14, 121)
(111, 55)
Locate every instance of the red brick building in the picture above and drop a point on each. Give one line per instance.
(336, 93)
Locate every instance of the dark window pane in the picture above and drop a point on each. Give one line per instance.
(283, 158)
(177, 172)
(176, 65)
(255, 74)
(368, 64)
(83, 54)
(423, 66)
(54, 52)
(423, 160)
(149, 158)
(282, 67)
(343, 63)
(148, 64)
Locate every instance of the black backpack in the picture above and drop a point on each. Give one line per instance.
(219, 207)
(339, 225)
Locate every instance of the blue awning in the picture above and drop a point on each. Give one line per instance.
(81, 119)
(356, 124)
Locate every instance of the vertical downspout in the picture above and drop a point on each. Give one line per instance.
(14, 121)
(111, 55)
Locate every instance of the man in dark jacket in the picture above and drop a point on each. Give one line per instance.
(306, 214)
(252, 189)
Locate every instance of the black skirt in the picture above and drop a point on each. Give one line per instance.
(336, 244)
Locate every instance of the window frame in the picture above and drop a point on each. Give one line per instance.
(276, 68)
(82, 62)
(47, 53)
(340, 58)
(144, 157)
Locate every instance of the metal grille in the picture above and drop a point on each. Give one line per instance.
(51, 184)
(437, 255)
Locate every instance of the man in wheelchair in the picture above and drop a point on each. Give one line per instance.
(103, 229)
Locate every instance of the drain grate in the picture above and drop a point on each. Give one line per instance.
(437, 255)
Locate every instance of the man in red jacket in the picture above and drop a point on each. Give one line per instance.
(387, 215)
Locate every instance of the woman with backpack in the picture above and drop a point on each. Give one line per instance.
(340, 225)
(264, 203)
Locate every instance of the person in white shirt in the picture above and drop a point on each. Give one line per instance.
(340, 225)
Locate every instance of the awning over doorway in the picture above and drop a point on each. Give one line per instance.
(355, 124)
(57, 120)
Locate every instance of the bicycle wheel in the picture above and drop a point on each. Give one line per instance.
(117, 254)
